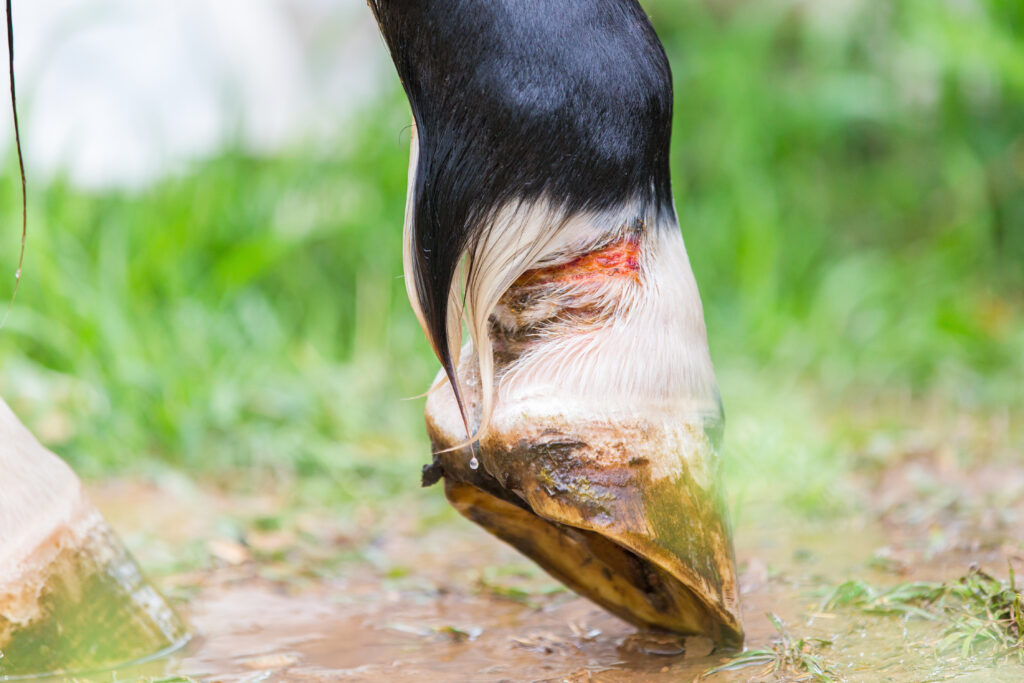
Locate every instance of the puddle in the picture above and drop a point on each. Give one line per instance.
(451, 603)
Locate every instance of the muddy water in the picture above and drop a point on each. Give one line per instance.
(449, 603)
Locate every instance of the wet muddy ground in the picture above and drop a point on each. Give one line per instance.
(410, 592)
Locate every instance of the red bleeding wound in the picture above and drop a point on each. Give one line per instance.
(620, 259)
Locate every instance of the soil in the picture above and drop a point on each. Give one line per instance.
(408, 592)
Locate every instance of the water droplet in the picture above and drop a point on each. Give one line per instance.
(474, 463)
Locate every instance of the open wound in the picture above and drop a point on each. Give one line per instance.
(573, 297)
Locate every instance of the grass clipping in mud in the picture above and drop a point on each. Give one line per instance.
(983, 615)
(791, 658)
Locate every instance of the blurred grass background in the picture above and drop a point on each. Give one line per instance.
(850, 181)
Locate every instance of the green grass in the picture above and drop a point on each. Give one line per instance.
(249, 312)
(850, 186)
(981, 615)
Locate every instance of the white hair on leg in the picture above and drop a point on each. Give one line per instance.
(617, 344)
(408, 235)
(645, 346)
